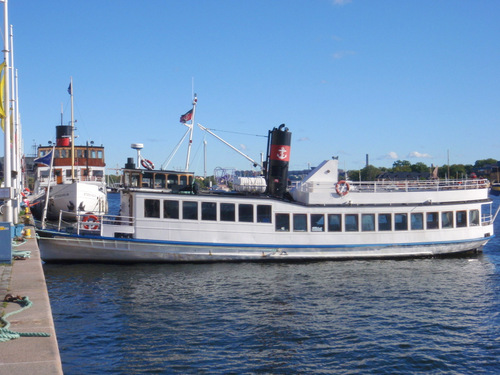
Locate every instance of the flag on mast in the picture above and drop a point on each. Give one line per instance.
(70, 89)
(45, 160)
(187, 116)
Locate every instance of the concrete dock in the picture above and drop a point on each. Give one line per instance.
(28, 355)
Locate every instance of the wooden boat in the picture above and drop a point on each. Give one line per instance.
(165, 218)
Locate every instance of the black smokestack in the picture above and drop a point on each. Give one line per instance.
(278, 157)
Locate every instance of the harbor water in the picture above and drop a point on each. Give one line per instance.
(352, 317)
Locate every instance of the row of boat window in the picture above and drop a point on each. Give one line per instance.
(83, 172)
(80, 153)
(284, 222)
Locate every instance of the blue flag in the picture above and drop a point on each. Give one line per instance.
(45, 160)
(70, 90)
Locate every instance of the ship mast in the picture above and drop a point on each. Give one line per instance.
(70, 90)
(191, 126)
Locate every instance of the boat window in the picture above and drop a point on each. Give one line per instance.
(147, 179)
(282, 222)
(171, 209)
(68, 173)
(99, 154)
(334, 223)
(92, 154)
(461, 218)
(151, 208)
(190, 210)
(171, 180)
(263, 213)
(401, 221)
(417, 221)
(159, 181)
(474, 217)
(56, 154)
(432, 220)
(79, 153)
(384, 222)
(227, 212)
(351, 223)
(64, 153)
(317, 223)
(300, 222)
(134, 179)
(97, 173)
(367, 222)
(183, 180)
(447, 219)
(245, 213)
(44, 174)
(208, 211)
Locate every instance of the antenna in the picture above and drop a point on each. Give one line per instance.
(138, 147)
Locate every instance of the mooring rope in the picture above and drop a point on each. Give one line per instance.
(5, 333)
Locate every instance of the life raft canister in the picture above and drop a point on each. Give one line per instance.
(91, 219)
(148, 164)
(342, 188)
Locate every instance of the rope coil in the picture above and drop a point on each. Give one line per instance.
(5, 333)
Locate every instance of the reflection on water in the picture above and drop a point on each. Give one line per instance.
(438, 315)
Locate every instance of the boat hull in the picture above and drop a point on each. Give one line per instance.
(71, 199)
(56, 247)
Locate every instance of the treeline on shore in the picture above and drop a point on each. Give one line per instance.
(481, 168)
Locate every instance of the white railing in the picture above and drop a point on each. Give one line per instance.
(397, 186)
(92, 223)
(45, 180)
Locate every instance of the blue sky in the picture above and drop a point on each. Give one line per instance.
(408, 80)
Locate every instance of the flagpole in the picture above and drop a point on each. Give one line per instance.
(15, 135)
(72, 132)
(195, 100)
(47, 193)
(7, 174)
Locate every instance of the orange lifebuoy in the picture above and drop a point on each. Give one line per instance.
(25, 192)
(342, 188)
(148, 164)
(91, 219)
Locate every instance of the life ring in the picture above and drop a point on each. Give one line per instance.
(25, 192)
(342, 188)
(91, 219)
(148, 164)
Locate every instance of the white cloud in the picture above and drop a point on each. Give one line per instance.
(416, 154)
(341, 2)
(341, 54)
(390, 155)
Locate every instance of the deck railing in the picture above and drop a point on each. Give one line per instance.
(91, 223)
(397, 186)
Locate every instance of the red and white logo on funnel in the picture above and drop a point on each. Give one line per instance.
(280, 152)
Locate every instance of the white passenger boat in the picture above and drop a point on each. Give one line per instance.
(164, 218)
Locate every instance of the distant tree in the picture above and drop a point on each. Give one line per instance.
(420, 167)
(482, 163)
(354, 175)
(458, 171)
(401, 166)
(369, 173)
